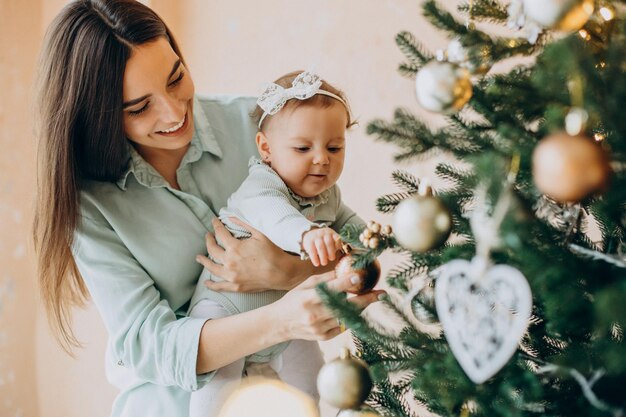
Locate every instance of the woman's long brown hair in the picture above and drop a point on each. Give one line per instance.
(80, 134)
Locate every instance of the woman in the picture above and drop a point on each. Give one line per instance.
(132, 169)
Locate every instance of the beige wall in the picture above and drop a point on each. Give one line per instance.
(231, 46)
(18, 306)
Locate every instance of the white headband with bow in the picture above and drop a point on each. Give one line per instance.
(304, 86)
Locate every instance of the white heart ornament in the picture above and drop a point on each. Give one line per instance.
(484, 315)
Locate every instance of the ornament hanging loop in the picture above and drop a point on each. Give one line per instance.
(469, 23)
(486, 227)
(577, 116)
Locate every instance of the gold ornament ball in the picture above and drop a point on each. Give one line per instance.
(344, 382)
(375, 228)
(357, 413)
(373, 242)
(422, 223)
(271, 398)
(369, 275)
(569, 168)
(565, 15)
(443, 87)
(367, 233)
(387, 230)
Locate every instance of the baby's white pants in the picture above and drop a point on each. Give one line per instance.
(298, 366)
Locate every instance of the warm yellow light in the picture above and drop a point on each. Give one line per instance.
(584, 34)
(599, 137)
(606, 13)
(601, 65)
(261, 397)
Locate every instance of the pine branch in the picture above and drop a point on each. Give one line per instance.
(414, 138)
(408, 70)
(412, 49)
(486, 11)
(405, 180)
(442, 19)
(389, 202)
(452, 174)
(351, 316)
(403, 273)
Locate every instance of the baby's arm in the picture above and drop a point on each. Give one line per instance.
(321, 245)
(263, 202)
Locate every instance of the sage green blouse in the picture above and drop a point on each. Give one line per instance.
(136, 246)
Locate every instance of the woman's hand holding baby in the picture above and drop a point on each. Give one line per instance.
(321, 244)
(247, 265)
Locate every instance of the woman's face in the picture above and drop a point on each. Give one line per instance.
(158, 98)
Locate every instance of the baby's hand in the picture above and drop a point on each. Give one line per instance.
(321, 245)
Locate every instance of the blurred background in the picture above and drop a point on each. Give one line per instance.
(234, 47)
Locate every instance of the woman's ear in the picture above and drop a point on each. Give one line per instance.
(264, 147)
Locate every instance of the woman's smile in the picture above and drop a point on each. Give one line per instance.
(177, 129)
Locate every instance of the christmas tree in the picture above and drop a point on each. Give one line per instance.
(521, 311)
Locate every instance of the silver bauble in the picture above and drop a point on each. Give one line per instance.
(421, 223)
(565, 15)
(344, 382)
(477, 60)
(443, 87)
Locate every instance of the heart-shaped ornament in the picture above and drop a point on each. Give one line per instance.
(484, 312)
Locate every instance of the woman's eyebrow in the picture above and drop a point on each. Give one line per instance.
(136, 100)
(174, 68)
(142, 98)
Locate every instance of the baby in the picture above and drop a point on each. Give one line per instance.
(291, 196)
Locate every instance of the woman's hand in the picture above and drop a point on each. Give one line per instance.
(302, 315)
(249, 265)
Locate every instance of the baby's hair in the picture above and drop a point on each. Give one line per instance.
(318, 100)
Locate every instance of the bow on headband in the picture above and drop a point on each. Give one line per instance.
(304, 86)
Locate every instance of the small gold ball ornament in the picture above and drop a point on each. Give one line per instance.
(369, 275)
(373, 234)
(565, 15)
(344, 382)
(422, 222)
(373, 242)
(443, 87)
(569, 168)
(271, 398)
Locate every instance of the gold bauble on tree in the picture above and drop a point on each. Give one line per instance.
(422, 222)
(443, 87)
(569, 168)
(344, 382)
(565, 15)
(264, 397)
(369, 275)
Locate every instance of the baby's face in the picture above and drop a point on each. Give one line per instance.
(307, 147)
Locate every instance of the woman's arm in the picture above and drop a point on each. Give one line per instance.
(300, 314)
(145, 335)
